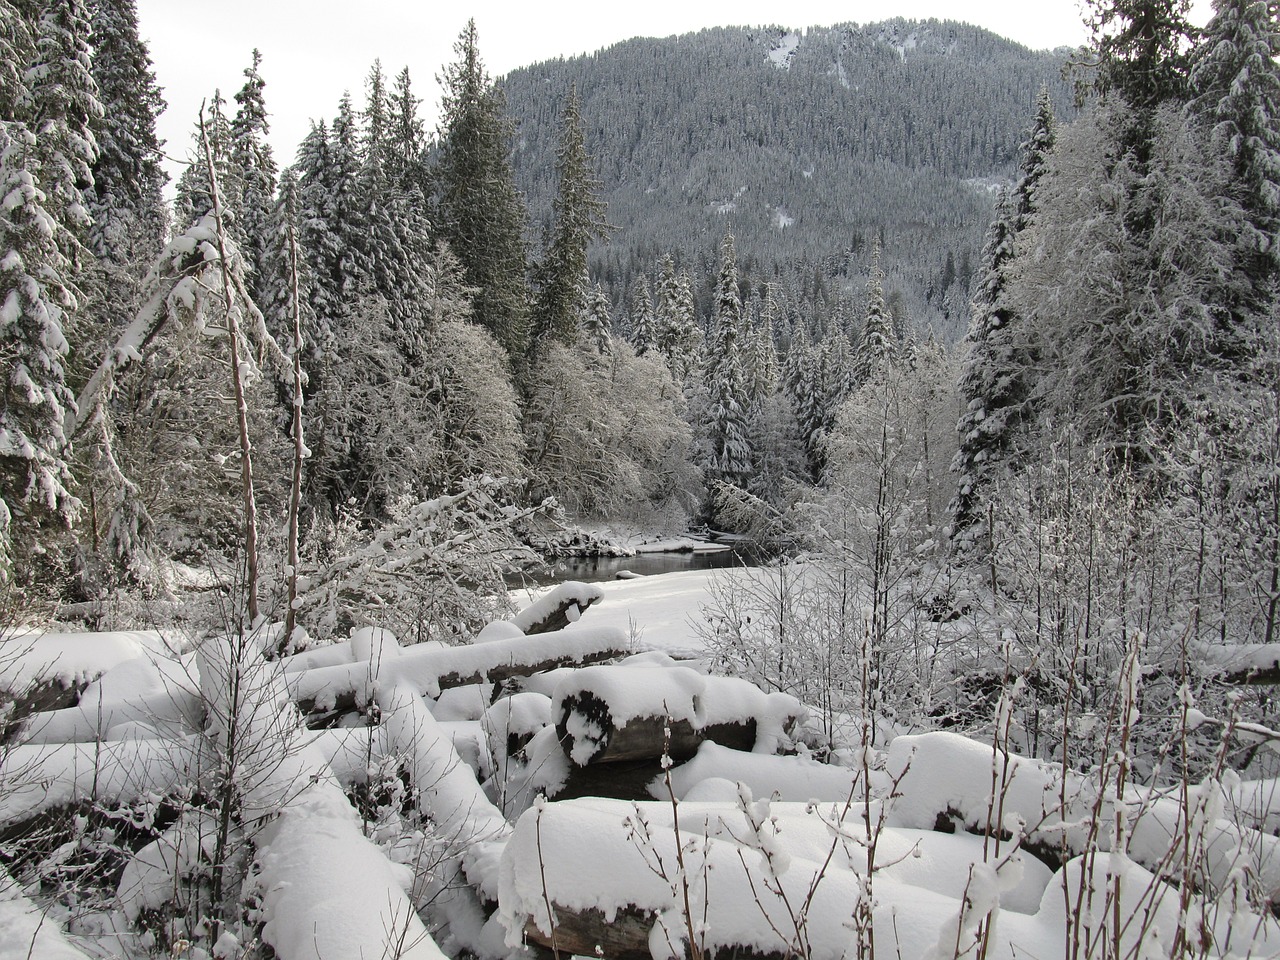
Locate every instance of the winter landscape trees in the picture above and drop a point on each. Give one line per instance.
(292, 438)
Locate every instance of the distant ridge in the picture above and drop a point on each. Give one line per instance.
(805, 143)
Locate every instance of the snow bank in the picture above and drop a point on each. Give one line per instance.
(34, 778)
(327, 891)
(70, 658)
(788, 778)
(145, 692)
(25, 931)
(949, 777)
(466, 822)
(583, 858)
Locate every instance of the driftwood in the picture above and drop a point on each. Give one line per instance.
(332, 689)
(37, 698)
(587, 933)
(560, 607)
(624, 780)
(640, 738)
(626, 937)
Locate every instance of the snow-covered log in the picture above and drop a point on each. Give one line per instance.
(430, 670)
(327, 891)
(601, 878)
(947, 778)
(469, 829)
(636, 712)
(1240, 663)
(560, 607)
(788, 778)
(42, 672)
(155, 696)
(35, 778)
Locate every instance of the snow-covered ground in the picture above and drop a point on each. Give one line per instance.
(422, 835)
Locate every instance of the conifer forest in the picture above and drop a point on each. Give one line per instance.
(765, 493)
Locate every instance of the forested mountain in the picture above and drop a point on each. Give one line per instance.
(806, 145)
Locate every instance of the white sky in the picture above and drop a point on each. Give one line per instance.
(313, 50)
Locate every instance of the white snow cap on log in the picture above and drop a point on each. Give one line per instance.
(328, 891)
(681, 693)
(580, 595)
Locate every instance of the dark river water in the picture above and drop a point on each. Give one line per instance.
(645, 564)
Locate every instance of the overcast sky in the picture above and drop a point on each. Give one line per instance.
(313, 50)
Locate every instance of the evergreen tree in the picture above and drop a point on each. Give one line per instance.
(1237, 83)
(1140, 49)
(579, 217)
(997, 373)
(126, 201)
(255, 176)
(375, 115)
(878, 346)
(17, 50)
(64, 109)
(642, 320)
(195, 200)
(35, 300)
(728, 445)
(406, 141)
(482, 216)
(597, 319)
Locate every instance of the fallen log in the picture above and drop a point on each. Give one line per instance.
(627, 712)
(624, 780)
(592, 872)
(590, 933)
(42, 672)
(591, 735)
(428, 671)
(560, 607)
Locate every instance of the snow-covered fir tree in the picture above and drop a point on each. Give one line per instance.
(482, 216)
(997, 375)
(597, 320)
(1236, 84)
(561, 293)
(641, 333)
(727, 443)
(255, 174)
(126, 202)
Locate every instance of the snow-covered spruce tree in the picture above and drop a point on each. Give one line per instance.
(194, 199)
(878, 345)
(597, 320)
(255, 171)
(35, 300)
(481, 214)
(47, 151)
(996, 378)
(727, 446)
(1139, 52)
(406, 139)
(561, 290)
(684, 343)
(760, 356)
(64, 109)
(128, 212)
(1123, 294)
(1236, 84)
(641, 332)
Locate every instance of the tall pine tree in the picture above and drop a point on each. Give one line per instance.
(482, 215)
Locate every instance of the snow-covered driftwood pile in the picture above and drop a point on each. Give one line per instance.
(519, 791)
